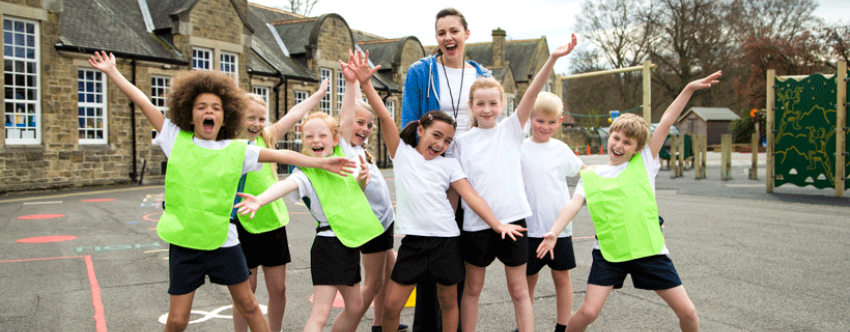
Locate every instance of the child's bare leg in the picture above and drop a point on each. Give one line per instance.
(381, 297)
(245, 302)
(179, 309)
(397, 296)
(563, 295)
(447, 295)
(518, 288)
(532, 283)
(373, 280)
(323, 299)
(471, 294)
(594, 299)
(239, 323)
(350, 315)
(679, 301)
(276, 284)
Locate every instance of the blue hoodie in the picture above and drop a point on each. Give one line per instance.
(422, 88)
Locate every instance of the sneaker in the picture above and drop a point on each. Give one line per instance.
(401, 328)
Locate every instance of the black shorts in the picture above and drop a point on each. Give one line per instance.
(564, 260)
(188, 267)
(422, 258)
(380, 243)
(650, 273)
(334, 264)
(482, 247)
(267, 249)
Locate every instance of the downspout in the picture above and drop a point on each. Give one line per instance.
(276, 90)
(134, 173)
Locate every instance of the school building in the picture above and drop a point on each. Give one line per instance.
(67, 126)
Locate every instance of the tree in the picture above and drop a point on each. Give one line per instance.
(837, 40)
(300, 7)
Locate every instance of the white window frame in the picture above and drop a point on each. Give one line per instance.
(21, 57)
(509, 105)
(229, 64)
(159, 91)
(263, 92)
(325, 102)
(91, 102)
(390, 105)
(300, 96)
(340, 90)
(202, 58)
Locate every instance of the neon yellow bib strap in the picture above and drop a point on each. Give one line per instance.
(624, 213)
(271, 216)
(348, 212)
(199, 187)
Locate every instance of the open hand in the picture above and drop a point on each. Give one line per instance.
(566, 48)
(338, 165)
(364, 172)
(510, 230)
(547, 246)
(361, 67)
(348, 68)
(102, 62)
(249, 203)
(705, 82)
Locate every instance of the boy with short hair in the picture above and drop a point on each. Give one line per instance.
(621, 200)
(546, 164)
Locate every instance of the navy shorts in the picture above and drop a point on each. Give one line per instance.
(267, 249)
(564, 260)
(650, 273)
(380, 243)
(424, 258)
(334, 264)
(481, 248)
(188, 267)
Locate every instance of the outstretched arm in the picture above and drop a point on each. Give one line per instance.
(251, 204)
(352, 92)
(675, 109)
(338, 165)
(568, 212)
(297, 112)
(106, 64)
(523, 110)
(479, 205)
(364, 74)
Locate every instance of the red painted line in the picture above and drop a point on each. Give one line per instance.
(584, 237)
(99, 316)
(41, 216)
(151, 214)
(46, 239)
(299, 212)
(99, 200)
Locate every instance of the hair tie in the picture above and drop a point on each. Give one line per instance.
(430, 118)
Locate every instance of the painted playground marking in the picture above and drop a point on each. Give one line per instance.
(207, 315)
(41, 216)
(47, 239)
(50, 202)
(148, 216)
(98, 200)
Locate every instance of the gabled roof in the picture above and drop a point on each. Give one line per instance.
(266, 47)
(295, 33)
(360, 36)
(499, 73)
(161, 11)
(711, 114)
(382, 52)
(519, 53)
(111, 25)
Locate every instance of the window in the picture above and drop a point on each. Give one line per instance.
(548, 87)
(201, 59)
(325, 103)
(340, 90)
(229, 63)
(91, 106)
(300, 96)
(159, 89)
(264, 93)
(509, 106)
(20, 66)
(390, 104)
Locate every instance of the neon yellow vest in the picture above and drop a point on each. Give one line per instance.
(271, 216)
(624, 213)
(348, 212)
(199, 188)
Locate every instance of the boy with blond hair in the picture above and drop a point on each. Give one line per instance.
(546, 164)
(621, 200)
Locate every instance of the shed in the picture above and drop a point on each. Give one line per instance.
(709, 121)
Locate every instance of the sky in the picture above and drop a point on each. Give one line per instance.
(525, 19)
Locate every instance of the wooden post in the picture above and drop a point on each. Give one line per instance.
(770, 113)
(703, 144)
(696, 143)
(840, 128)
(647, 91)
(726, 157)
(681, 154)
(754, 172)
(673, 145)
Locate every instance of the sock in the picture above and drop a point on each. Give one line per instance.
(560, 328)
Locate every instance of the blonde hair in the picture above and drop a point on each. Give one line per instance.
(633, 126)
(485, 83)
(268, 137)
(547, 104)
(333, 125)
(362, 105)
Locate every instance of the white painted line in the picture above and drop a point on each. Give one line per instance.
(51, 202)
(754, 185)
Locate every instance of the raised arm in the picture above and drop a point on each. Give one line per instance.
(338, 165)
(364, 74)
(568, 212)
(523, 110)
(675, 109)
(352, 92)
(297, 112)
(251, 204)
(479, 205)
(106, 64)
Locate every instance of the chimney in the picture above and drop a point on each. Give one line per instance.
(498, 47)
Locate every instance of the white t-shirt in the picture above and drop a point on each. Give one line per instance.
(453, 90)
(421, 185)
(305, 189)
(377, 192)
(491, 160)
(545, 168)
(168, 136)
(652, 165)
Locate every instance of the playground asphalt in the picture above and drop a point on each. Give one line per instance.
(90, 260)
